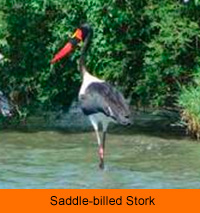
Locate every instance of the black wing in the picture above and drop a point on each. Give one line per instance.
(102, 97)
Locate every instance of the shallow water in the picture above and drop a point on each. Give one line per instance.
(134, 159)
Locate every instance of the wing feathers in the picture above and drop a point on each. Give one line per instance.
(102, 97)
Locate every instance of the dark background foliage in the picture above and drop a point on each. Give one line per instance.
(147, 48)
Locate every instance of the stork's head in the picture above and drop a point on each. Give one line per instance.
(80, 35)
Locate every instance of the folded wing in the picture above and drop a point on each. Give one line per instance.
(102, 97)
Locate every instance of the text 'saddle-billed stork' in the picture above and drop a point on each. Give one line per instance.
(99, 100)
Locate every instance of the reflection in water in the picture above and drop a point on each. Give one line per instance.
(55, 159)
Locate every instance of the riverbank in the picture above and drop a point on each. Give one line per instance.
(158, 121)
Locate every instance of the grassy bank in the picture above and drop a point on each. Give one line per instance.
(189, 100)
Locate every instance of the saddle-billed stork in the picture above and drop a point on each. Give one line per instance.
(101, 102)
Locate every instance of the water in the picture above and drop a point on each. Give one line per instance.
(62, 159)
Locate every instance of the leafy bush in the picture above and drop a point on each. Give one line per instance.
(189, 100)
(148, 48)
(170, 55)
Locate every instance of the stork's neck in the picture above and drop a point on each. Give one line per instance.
(82, 60)
(82, 66)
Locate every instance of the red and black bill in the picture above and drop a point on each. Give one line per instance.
(67, 49)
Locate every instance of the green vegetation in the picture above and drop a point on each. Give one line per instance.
(150, 48)
(189, 100)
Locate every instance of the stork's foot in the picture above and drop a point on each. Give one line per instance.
(101, 155)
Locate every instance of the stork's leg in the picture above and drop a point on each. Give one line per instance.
(102, 146)
(96, 128)
(94, 122)
(101, 151)
(104, 139)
